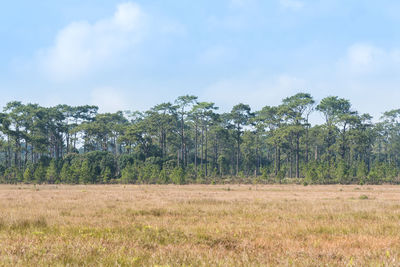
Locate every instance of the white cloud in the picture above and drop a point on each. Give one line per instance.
(237, 3)
(215, 55)
(291, 4)
(363, 58)
(365, 74)
(253, 89)
(244, 4)
(368, 75)
(109, 99)
(82, 47)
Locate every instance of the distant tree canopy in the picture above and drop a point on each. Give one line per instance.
(189, 141)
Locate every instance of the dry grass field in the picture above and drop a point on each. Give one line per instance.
(199, 225)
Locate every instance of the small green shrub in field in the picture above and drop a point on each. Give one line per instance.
(178, 176)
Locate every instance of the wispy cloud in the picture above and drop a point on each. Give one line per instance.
(109, 99)
(237, 3)
(364, 73)
(364, 58)
(216, 55)
(255, 89)
(291, 4)
(82, 47)
(241, 3)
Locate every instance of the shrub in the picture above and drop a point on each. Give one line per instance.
(178, 176)
(129, 174)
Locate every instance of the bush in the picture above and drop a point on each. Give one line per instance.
(178, 176)
(362, 171)
(342, 173)
(163, 177)
(40, 173)
(129, 174)
(311, 174)
(28, 174)
(52, 172)
(107, 175)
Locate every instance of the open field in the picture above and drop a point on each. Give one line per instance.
(199, 225)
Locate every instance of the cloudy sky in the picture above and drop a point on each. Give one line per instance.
(135, 54)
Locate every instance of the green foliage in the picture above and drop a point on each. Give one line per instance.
(163, 177)
(107, 175)
(281, 175)
(391, 172)
(129, 174)
(75, 170)
(125, 160)
(66, 174)
(188, 141)
(40, 173)
(178, 176)
(382, 172)
(362, 172)
(325, 171)
(342, 173)
(12, 175)
(101, 162)
(375, 175)
(28, 173)
(147, 173)
(312, 176)
(52, 175)
(85, 175)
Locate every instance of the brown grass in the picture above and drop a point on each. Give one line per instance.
(199, 225)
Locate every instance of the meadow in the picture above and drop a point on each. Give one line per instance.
(199, 225)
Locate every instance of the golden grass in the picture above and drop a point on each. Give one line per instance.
(200, 225)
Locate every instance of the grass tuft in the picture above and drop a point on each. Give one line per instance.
(24, 224)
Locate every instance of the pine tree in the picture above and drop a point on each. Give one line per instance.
(129, 174)
(178, 176)
(75, 171)
(65, 174)
(85, 176)
(163, 177)
(362, 171)
(28, 174)
(107, 175)
(52, 173)
(40, 173)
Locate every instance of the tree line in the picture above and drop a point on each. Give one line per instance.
(189, 141)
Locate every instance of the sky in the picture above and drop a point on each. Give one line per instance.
(132, 55)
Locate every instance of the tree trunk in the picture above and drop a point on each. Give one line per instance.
(195, 150)
(182, 141)
(205, 154)
(297, 156)
(215, 163)
(307, 144)
(67, 140)
(277, 160)
(290, 163)
(238, 152)
(26, 153)
(202, 148)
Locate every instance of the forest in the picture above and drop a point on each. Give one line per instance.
(189, 141)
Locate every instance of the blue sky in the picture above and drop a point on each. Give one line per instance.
(135, 54)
